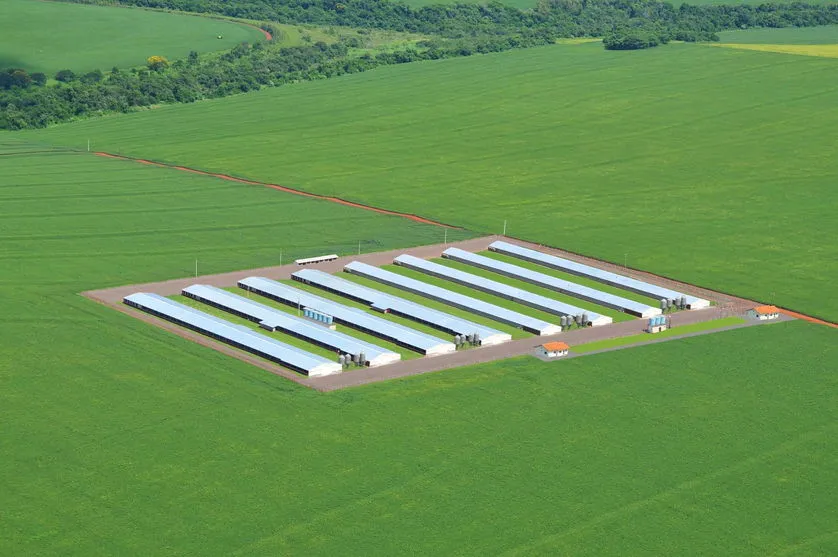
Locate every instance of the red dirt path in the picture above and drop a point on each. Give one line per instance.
(807, 318)
(268, 36)
(286, 189)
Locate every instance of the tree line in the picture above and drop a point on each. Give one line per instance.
(27, 101)
(242, 69)
(559, 18)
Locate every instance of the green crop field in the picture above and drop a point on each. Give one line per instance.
(49, 36)
(127, 439)
(710, 165)
(713, 165)
(827, 34)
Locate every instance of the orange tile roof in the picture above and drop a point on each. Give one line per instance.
(766, 309)
(555, 346)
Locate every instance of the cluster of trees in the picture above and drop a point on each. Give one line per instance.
(244, 68)
(560, 18)
(19, 78)
(648, 36)
(459, 30)
(633, 38)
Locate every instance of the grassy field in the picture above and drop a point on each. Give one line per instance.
(710, 165)
(50, 36)
(810, 41)
(123, 438)
(825, 50)
(827, 34)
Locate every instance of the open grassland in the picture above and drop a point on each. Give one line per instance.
(124, 438)
(808, 41)
(709, 165)
(50, 36)
(825, 50)
(826, 34)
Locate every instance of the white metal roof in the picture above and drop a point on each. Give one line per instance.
(235, 335)
(386, 302)
(298, 326)
(318, 259)
(594, 273)
(404, 336)
(500, 289)
(553, 283)
(455, 299)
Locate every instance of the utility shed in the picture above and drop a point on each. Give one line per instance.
(763, 313)
(553, 349)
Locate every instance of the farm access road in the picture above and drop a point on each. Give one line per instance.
(726, 306)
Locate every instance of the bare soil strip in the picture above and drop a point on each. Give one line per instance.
(726, 306)
(286, 189)
(808, 318)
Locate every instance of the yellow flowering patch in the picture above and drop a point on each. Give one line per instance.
(827, 50)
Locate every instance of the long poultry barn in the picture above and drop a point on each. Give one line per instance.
(399, 306)
(500, 289)
(454, 299)
(237, 336)
(593, 273)
(582, 292)
(412, 339)
(273, 319)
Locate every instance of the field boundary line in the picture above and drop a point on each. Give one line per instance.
(286, 189)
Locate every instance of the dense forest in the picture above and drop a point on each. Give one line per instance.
(560, 18)
(29, 100)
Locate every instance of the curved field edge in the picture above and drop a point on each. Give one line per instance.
(113, 36)
(707, 165)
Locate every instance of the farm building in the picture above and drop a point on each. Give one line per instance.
(553, 349)
(764, 313)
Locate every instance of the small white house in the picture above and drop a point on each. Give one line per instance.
(764, 313)
(553, 349)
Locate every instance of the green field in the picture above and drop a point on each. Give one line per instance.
(127, 439)
(710, 165)
(49, 36)
(122, 430)
(827, 34)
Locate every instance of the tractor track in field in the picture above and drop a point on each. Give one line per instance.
(286, 189)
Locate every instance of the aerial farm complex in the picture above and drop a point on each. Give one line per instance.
(323, 316)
